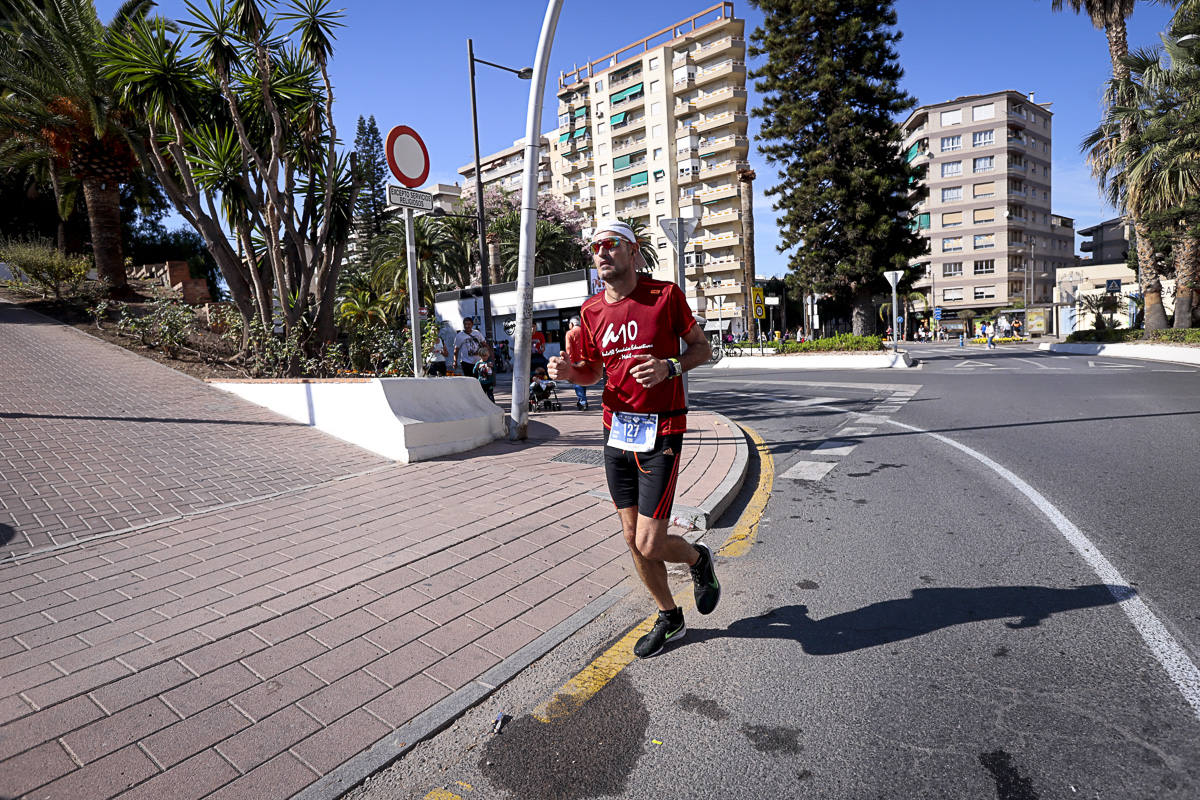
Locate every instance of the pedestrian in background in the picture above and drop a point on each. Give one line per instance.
(436, 360)
(574, 353)
(467, 343)
(485, 372)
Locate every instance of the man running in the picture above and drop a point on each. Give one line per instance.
(632, 330)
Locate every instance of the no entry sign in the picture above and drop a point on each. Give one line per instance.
(407, 156)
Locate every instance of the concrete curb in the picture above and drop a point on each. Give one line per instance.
(442, 714)
(1173, 354)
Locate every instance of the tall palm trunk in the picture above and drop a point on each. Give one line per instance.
(103, 200)
(1187, 262)
(746, 195)
(1156, 315)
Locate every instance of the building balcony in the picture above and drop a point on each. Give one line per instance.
(628, 146)
(722, 70)
(721, 120)
(628, 125)
(575, 166)
(717, 193)
(584, 202)
(714, 98)
(723, 168)
(717, 288)
(735, 43)
(629, 103)
(631, 189)
(711, 240)
(682, 57)
(739, 144)
(710, 266)
(633, 165)
(721, 217)
(628, 79)
(687, 177)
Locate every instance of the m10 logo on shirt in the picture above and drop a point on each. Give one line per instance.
(623, 334)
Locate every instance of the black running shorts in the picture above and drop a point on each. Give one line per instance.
(645, 480)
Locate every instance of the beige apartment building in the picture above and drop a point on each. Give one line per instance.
(658, 129)
(986, 214)
(506, 168)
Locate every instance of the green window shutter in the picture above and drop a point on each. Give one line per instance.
(912, 152)
(635, 89)
(640, 179)
(621, 95)
(579, 112)
(923, 222)
(707, 155)
(564, 137)
(579, 133)
(658, 173)
(621, 162)
(617, 119)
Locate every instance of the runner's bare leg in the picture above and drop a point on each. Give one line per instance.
(647, 535)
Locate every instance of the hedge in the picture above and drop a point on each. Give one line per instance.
(1111, 335)
(842, 341)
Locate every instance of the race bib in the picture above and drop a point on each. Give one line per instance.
(633, 432)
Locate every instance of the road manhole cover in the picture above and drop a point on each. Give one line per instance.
(581, 455)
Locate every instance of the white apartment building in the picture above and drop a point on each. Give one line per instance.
(658, 129)
(986, 214)
(506, 168)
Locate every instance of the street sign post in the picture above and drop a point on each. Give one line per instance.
(408, 159)
(1112, 286)
(893, 277)
(937, 313)
(678, 231)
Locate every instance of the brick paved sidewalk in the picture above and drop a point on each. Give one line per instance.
(249, 650)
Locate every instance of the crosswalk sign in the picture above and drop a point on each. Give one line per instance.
(756, 300)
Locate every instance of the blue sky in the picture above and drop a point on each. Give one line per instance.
(405, 63)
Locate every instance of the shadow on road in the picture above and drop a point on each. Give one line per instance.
(172, 420)
(7, 532)
(926, 611)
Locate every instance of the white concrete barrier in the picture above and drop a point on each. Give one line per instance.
(1176, 354)
(818, 361)
(404, 419)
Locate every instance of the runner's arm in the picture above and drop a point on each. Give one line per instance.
(585, 374)
(699, 350)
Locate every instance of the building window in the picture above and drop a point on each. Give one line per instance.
(654, 63)
(986, 111)
(952, 117)
(984, 189)
(952, 244)
(984, 164)
(660, 198)
(951, 143)
(952, 219)
(656, 131)
(983, 138)
(984, 240)
(603, 190)
(656, 108)
(655, 85)
(952, 294)
(952, 269)
(599, 86)
(922, 222)
(985, 267)
(983, 216)
(657, 153)
(564, 120)
(985, 292)
(951, 168)
(604, 169)
(951, 194)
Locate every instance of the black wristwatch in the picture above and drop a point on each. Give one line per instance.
(674, 370)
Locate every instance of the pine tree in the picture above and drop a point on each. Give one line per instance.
(371, 205)
(830, 98)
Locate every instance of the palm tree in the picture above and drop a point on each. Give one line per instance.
(556, 249)
(389, 255)
(58, 106)
(1109, 16)
(645, 243)
(907, 301)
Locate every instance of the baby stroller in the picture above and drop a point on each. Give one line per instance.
(543, 396)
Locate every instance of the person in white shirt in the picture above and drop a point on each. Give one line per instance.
(436, 360)
(466, 347)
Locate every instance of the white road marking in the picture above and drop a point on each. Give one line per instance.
(1105, 365)
(835, 447)
(1173, 657)
(809, 470)
(1034, 361)
(853, 432)
(867, 419)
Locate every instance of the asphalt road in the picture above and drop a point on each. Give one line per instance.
(908, 623)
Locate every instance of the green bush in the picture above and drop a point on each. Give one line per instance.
(1106, 335)
(841, 341)
(1177, 335)
(166, 324)
(43, 265)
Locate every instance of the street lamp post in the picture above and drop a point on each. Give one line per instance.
(485, 278)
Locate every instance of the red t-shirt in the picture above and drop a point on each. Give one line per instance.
(650, 321)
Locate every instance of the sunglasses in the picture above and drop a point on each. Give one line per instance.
(609, 243)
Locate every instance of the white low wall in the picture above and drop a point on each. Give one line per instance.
(1176, 354)
(405, 419)
(818, 361)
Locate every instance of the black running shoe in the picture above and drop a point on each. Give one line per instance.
(708, 588)
(668, 627)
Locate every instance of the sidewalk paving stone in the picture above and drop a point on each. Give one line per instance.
(247, 651)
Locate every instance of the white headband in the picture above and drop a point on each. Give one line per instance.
(619, 228)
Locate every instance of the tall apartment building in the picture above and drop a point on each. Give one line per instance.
(657, 130)
(987, 214)
(506, 168)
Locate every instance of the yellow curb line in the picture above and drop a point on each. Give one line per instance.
(592, 678)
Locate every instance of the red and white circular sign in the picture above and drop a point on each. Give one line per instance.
(407, 156)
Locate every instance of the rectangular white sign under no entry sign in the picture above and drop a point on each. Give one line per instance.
(409, 198)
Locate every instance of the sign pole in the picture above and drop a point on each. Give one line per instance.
(893, 277)
(414, 304)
